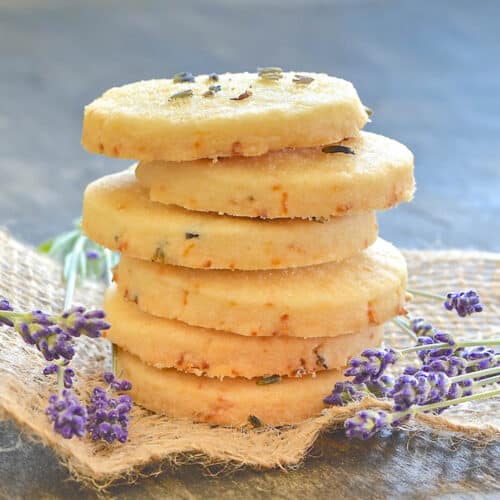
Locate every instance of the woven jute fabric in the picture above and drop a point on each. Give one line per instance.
(32, 281)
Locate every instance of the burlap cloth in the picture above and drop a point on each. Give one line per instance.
(33, 281)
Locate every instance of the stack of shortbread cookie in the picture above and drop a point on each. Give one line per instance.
(251, 267)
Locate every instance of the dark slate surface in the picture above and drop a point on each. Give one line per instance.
(429, 69)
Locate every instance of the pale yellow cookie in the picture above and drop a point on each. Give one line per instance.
(317, 301)
(290, 183)
(118, 215)
(166, 343)
(228, 401)
(161, 120)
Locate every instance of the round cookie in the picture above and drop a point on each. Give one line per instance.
(292, 183)
(118, 215)
(166, 343)
(228, 401)
(248, 116)
(316, 301)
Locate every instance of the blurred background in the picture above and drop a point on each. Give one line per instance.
(429, 69)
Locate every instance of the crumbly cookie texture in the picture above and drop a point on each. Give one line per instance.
(166, 343)
(248, 116)
(228, 401)
(118, 215)
(317, 301)
(305, 182)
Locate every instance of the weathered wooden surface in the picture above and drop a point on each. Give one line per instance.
(429, 69)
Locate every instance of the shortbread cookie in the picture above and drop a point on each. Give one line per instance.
(228, 401)
(166, 343)
(291, 183)
(118, 215)
(248, 115)
(317, 301)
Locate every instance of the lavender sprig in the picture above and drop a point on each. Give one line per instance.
(51, 334)
(104, 418)
(371, 365)
(54, 335)
(419, 389)
(366, 423)
(478, 358)
(464, 303)
(426, 387)
(347, 391)
(368, 379)
(439, 352)
(81, 259)
(67, 414)
(109, 417)
(450, 372)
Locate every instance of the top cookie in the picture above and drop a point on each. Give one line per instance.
(249, 115)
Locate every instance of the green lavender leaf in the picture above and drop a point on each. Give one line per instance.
(81, 258)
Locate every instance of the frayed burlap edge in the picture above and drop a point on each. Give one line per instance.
(156, 442)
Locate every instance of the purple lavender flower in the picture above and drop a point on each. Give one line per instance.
(67, 414)
(421, 327)
(369, 377)
(68, 375)
(459, 389)
(51, 341)
(450, 365)
(56, 345)
(410, 370)
(50, 369)
(345, 392)
(419, 389)
(109, 417)
(444, 338)
(77, 321)
(481, 357)
(117, 385)
(421, 341)
(92, 254)
(52, 335)
(40, 318)
(373, 366)
(381, 386)
(366, 423)
(5, 305)
(464, 303)
(427, 355)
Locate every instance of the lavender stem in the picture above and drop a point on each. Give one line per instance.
(404, 328)
(440, 345)
(60, 379)
(72, 274)
(113, 358)
(428, 295)
(474, 362)
(109, 279)
(489, 380)
(448, 402)
(479, 373)
(63, 240)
